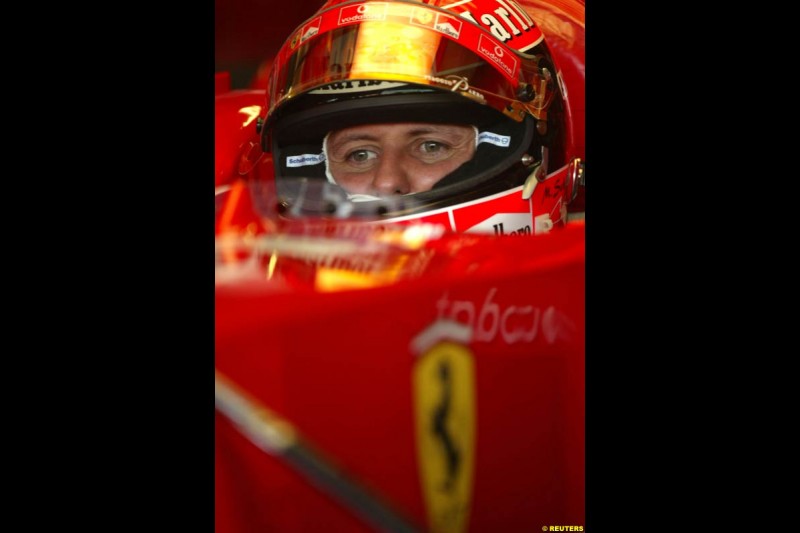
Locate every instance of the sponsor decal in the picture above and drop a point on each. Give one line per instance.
(456, 83)
(506, 20)
(356, 86)
(505, 224)
(304, 160)
(511, 323)
(446, 24)
(495, 53)
(494, 138)
(445, 422)
(310, 29)
(362, 12)
(422, 17)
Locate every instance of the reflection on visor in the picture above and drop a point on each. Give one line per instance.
(413, 43)
(314, 198)
(384, 47)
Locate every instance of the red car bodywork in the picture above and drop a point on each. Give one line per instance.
(341, 366)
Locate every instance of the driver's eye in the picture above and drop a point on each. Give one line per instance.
(432, 146)
(359, 156)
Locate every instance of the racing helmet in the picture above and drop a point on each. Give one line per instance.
(482, 63)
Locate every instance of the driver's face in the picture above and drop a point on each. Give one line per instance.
(386, 159)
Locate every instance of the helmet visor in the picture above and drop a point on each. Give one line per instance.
(349, 47)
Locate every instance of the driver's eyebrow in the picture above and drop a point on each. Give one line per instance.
(355, 137)
(422, 130)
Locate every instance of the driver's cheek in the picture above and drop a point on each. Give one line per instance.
(424, 175)
(358, 181)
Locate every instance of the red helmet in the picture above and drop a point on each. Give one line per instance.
(482, 63)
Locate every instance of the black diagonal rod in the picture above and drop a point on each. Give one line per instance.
(277, 437)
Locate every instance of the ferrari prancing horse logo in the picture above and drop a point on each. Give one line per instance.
(444, 410)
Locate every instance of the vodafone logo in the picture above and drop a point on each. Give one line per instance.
(497, 55)
(361, 12)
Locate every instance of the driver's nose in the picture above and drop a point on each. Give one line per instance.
(391, 176)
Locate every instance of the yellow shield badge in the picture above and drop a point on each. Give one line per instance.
(444, 411)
